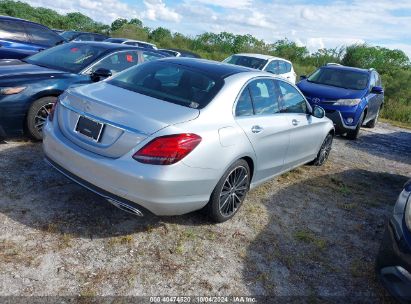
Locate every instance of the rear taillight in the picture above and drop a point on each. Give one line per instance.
(52, 110)
(167, 150)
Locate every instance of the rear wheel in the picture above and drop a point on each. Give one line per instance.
(353, 134)
(324, 152)
(37, 116)
(230, 192)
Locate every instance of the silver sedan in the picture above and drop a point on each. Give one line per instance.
(177, 135)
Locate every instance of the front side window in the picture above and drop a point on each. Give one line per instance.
(265, 97)
(12, 30)
(117, 62)
(273, 67)
(250, 62)
(170, 82)
(42, 35)
(70, 57)
(292, 101)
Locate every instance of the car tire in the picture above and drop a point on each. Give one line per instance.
(353, 134)
(372, 123)
(229, 194)
(37, 116)
(324, 151)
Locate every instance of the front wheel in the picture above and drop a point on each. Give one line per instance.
(324, 152)
(37, 116)
(353, 134)
(230, 192)
(372, 123)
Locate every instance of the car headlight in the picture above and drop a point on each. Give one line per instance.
(408, 213)
(11, 90)
(348, 102)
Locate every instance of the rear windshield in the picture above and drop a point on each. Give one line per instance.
(340, 78)
(113, 40)
(170, 82)
(249, 62)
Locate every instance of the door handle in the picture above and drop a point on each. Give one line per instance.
(256, 129)
(295, 122)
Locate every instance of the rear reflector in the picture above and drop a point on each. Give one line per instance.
(167, 150)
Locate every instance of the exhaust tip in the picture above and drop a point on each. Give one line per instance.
(125, 207)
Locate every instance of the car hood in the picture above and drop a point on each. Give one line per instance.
(325, 92)
(19, 69)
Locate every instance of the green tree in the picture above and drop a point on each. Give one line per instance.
(118, 23)
(136, 22)
(289, 49)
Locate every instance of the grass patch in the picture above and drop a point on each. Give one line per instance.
(307, 236)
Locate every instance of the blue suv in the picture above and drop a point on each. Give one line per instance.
(351, 97)
(20, 38)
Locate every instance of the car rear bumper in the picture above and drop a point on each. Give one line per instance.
(338, 121)
(393, 267)
(163, 190)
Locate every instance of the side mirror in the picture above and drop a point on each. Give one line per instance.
(377, 90)
(100, 74)
(318, 112)
(302, 77)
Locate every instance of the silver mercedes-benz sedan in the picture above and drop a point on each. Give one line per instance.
(177, 135)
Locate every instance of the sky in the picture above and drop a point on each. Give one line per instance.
(315, 24)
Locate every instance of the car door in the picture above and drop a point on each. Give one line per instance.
(304, 129)
(258, 114)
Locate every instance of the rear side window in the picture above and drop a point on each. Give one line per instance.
(292, 101)
(170, 82)
(42, 35)
(118, 61)
(12, 30)
(264, 96)
(244, 104)
(149, 56)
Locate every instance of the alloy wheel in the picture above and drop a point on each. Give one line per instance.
(325, 150)
(41, 116)
(233, 191)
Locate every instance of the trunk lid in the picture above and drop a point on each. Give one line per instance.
(127, 117)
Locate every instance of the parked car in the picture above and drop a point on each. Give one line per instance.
(393, 264)
(179, 134)
(126, 41)
(180, 53)
(82, 36)
(29, 87)
(274, 65)
(351, 97)
(21, 38)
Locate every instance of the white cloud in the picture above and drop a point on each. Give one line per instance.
(157, 10)
(225, 3)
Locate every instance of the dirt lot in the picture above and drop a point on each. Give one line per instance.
(313, 232)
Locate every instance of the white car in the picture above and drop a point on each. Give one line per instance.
(274, 65)
(138, 43)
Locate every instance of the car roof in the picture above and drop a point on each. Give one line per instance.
(113, 46)
(215, 68)
(261, 56)
(19, 19)
(79, 32)
(344, 68)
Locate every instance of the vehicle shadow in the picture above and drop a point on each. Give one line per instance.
(323, 237)
(36, 195)
(392, 146)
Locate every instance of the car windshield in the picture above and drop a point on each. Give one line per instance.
(70, 57)
(249, 62)
(69, 35)
(170, 82)
(340, 78)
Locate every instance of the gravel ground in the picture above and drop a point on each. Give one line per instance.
(312, 232)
